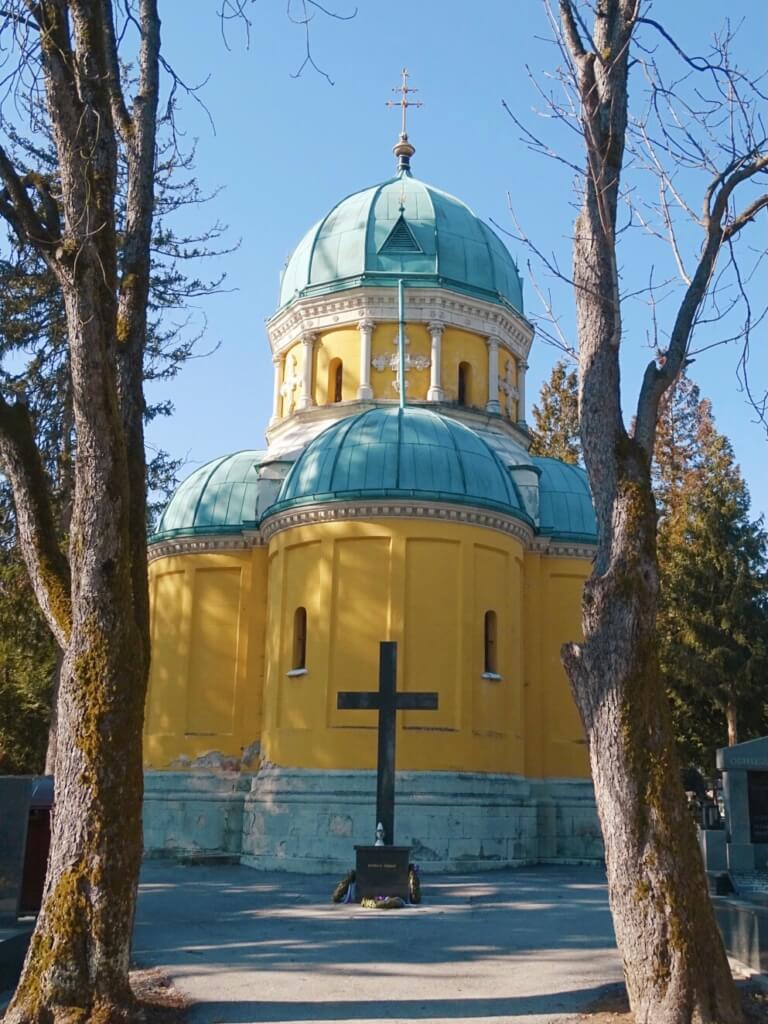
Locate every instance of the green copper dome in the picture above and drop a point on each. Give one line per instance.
(400, 453)
(565, 504)
(406, 229)
(219, 497)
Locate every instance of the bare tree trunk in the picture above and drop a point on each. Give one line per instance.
(675, 967)
(674, 963)
(732, 720)
(95, 601)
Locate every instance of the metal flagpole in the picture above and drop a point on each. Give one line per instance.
(401, 338)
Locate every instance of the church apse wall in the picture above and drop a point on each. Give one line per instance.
(206, 677)
(427, 586)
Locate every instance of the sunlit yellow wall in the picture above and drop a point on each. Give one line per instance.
(425, 585)
(555, 746)
(383, 343)
(342, 343)
(463, 346)
(206, 678)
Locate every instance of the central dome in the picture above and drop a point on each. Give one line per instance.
(402, 229)
(400, 453)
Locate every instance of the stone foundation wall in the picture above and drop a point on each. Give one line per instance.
(194, 815)
(309, 821)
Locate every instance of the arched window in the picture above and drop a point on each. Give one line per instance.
(335, 381)
(299, 639)
(465, 379)
(490, 645)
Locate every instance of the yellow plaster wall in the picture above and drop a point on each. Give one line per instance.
(425, 585)
(382, 343)
(464, 347)
(555, 746)
(206, 677)
(342, 343)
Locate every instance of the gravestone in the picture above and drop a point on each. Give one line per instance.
(382, 871)
(745, 788)
(15, 798)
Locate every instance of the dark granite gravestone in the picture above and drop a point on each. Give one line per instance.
(745, 787)
(15, 797)
(757, 789)
(382, 871)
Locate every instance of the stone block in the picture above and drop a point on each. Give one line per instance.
(741, 857)
(713, 849)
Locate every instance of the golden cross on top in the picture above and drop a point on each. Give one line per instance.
(404, 89)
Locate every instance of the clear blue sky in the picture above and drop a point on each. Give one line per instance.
(285, 150)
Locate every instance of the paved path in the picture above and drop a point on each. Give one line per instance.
(531, 946)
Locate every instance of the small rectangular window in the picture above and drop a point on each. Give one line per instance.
(490, 645)
(299, 639)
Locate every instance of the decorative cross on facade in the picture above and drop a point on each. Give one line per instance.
(387, 701)
(384, 362)
(508, 387)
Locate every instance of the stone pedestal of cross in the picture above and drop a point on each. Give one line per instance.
(387, 701)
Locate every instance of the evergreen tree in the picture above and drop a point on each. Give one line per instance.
(556, 419)
(713, 613)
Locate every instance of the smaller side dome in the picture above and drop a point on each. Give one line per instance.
(400, 453)
(565, 503)
(219, 497)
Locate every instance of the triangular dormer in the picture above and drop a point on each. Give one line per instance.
(400, 239)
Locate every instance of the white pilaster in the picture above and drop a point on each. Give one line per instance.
(365, 326)
(435, 392)
(277, 362)
(493, 404)
(522, 366)
(305, 402)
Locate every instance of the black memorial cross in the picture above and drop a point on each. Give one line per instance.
(387, 701)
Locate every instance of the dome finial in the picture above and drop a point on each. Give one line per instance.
(403, 149)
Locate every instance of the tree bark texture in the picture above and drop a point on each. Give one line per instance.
(675, 967)
(732, 720)
(77, 966)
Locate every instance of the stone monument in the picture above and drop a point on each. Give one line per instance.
(15, 799)
(745, 788)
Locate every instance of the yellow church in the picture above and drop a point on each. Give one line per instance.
(395, 500)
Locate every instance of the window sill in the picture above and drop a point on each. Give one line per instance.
(491, 675)
(296, 672)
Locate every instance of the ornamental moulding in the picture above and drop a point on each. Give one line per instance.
(309, 515)
(424, 305)
(200, 545)
(563, 549)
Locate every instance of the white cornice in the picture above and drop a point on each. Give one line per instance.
(360, 510)
(563, 548)
(307, 515)
(424, 305)
(200, 545)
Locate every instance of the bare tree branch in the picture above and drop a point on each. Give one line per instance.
(48, 568)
